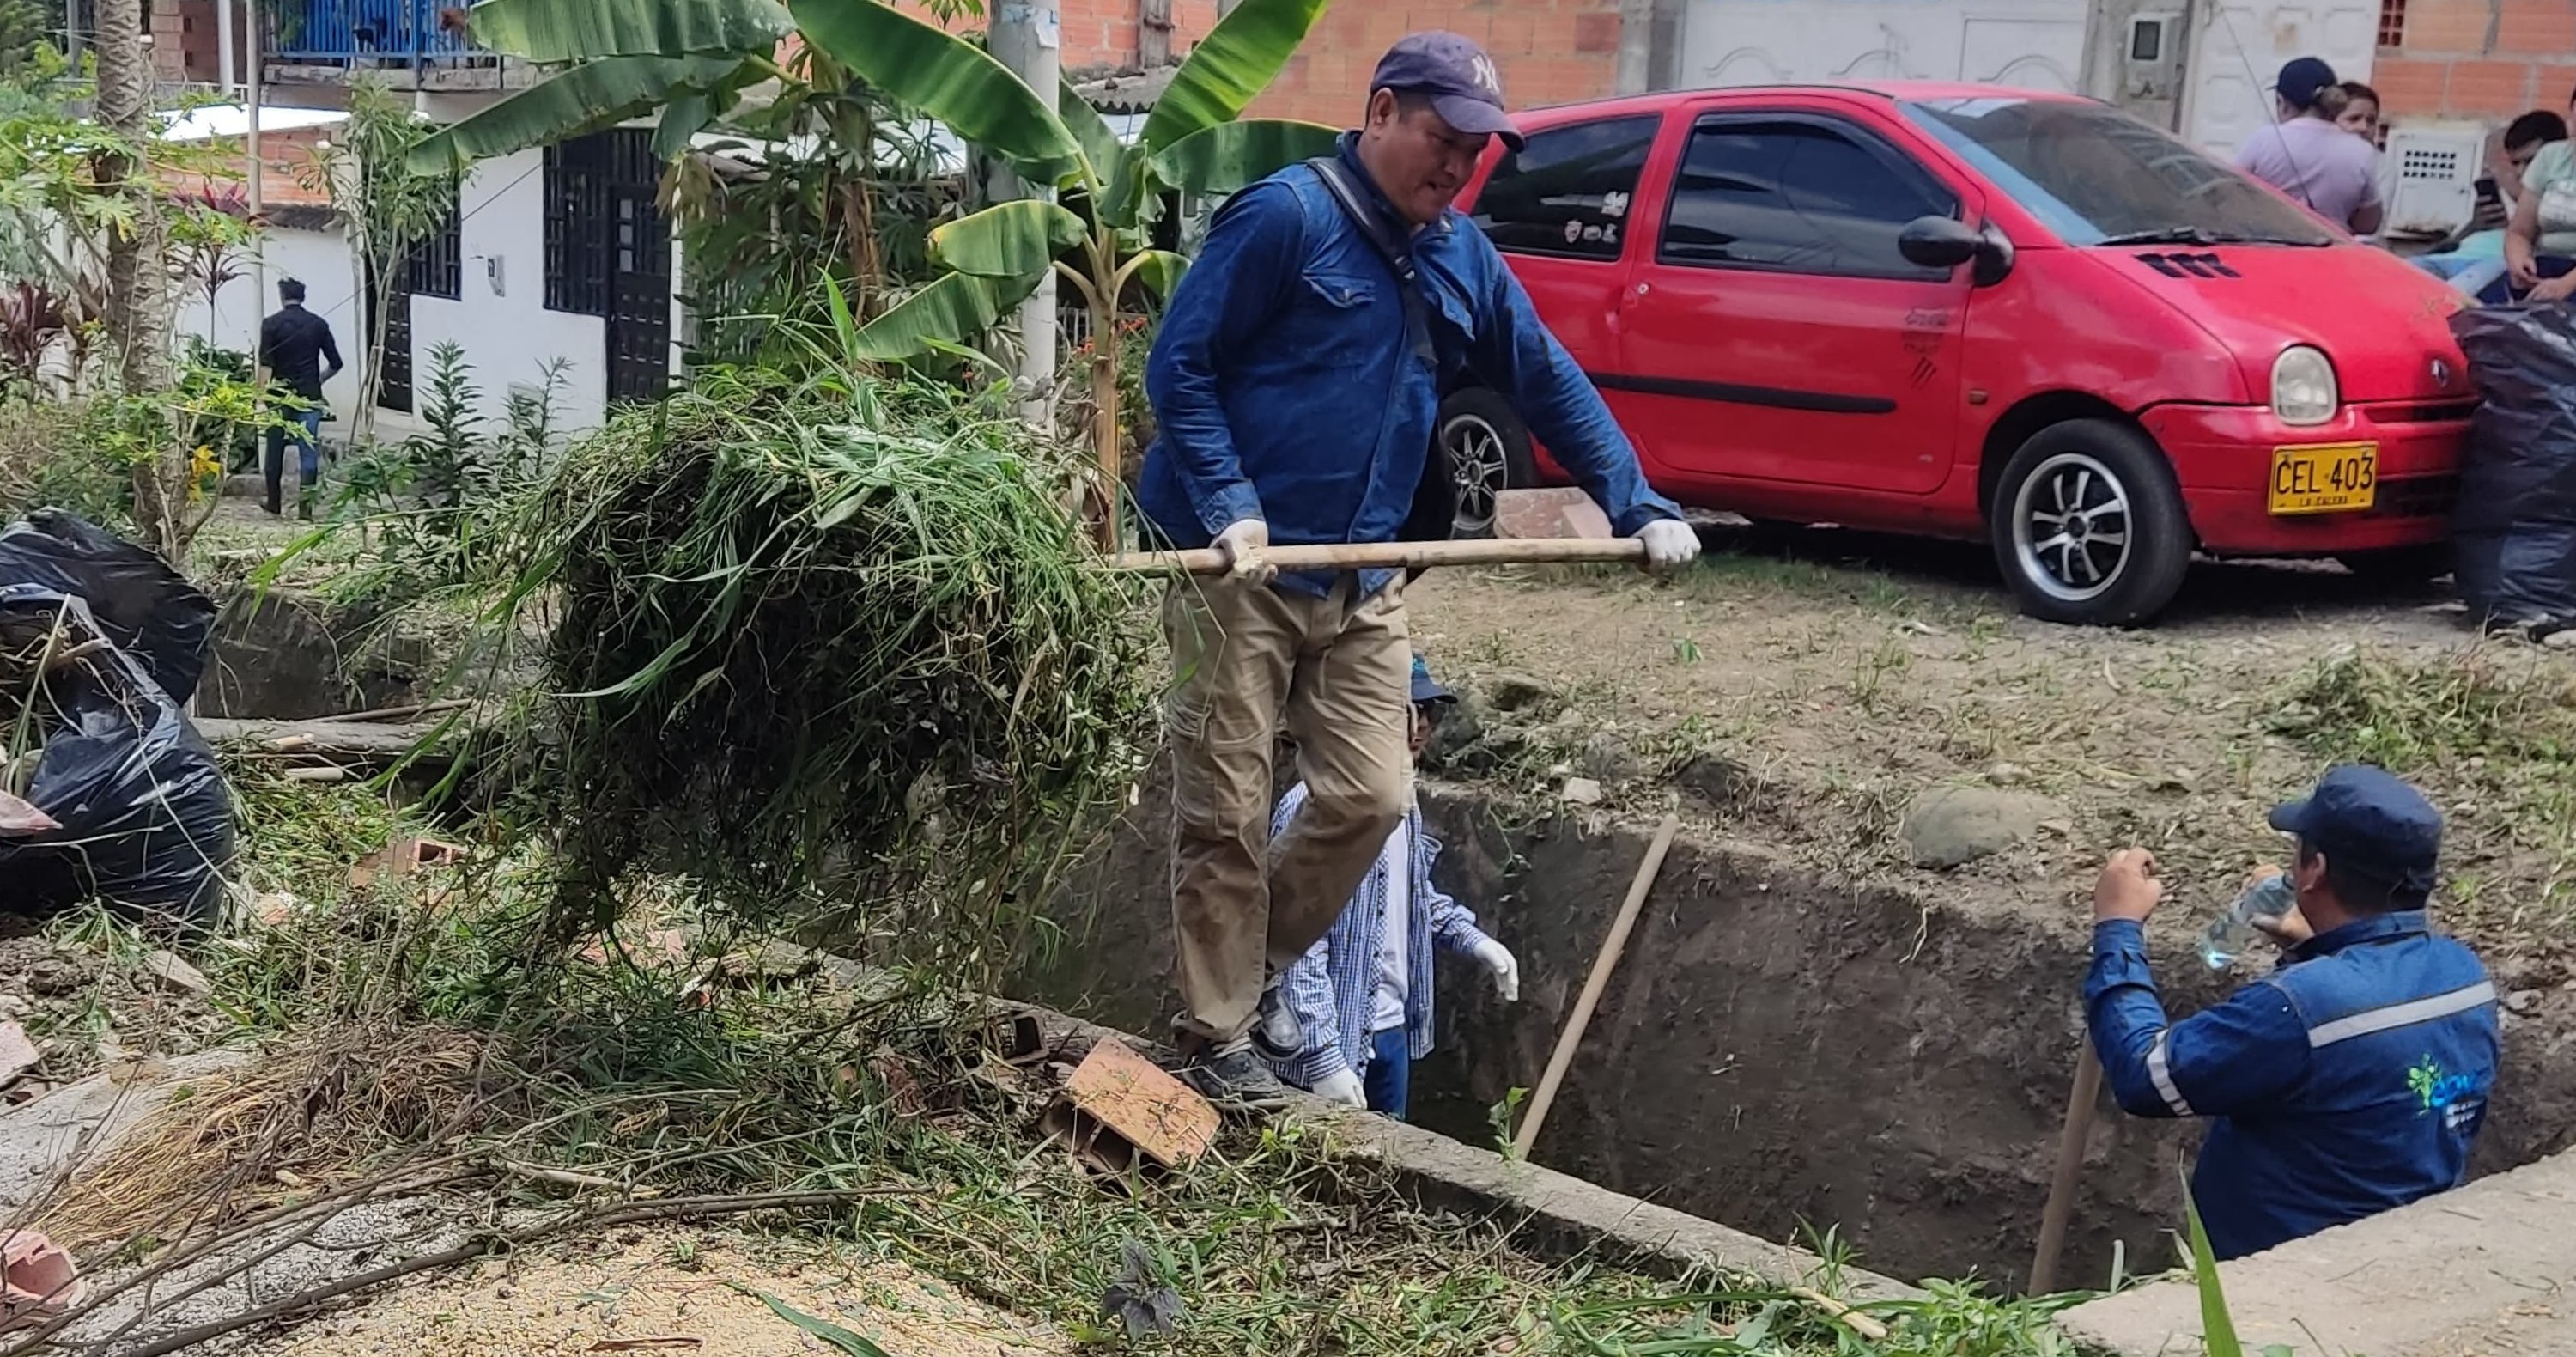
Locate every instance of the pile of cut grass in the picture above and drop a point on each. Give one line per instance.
(828, 645)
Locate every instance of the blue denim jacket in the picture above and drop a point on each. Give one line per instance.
(2352, 1079)
(1287, 388)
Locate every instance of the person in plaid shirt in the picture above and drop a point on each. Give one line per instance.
(1363, 993)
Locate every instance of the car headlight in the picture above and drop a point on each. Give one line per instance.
(2303, 386)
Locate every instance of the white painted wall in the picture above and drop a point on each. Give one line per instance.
(2239, 46)
(2035, 44)
(322, 262)
(499, 317)
(500, 314)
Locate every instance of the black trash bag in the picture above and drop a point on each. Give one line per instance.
(2515, 526)
(148, 609)
(144, 818)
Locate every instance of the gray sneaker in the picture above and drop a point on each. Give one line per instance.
(1235, 1079)
(1275, 1028)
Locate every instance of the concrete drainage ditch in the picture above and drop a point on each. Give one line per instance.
(1776, 1053)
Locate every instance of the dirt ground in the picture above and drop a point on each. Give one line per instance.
(681, 1292)
(1806, 687)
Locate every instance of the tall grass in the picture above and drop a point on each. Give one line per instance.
(831, 650)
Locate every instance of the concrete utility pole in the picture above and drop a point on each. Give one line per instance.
(1027, 38)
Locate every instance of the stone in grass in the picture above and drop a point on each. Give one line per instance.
(2560, 640)
(1522, 693)
(1713, 778)
(1952, 826)
(1582, 791)
(175, 975)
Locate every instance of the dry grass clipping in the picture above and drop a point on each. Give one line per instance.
(321, 1110)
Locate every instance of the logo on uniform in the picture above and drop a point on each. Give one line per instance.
(1486, 79)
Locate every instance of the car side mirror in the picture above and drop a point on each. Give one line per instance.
(1947, 242)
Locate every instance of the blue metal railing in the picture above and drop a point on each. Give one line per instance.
(367, 32)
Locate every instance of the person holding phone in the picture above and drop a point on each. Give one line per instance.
(2472, 259)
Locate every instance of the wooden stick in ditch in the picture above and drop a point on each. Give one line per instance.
(1396, 555)
(1848, 1317)
(2070, 1167)
(1602, 965)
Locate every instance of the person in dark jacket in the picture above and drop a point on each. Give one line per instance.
(294, 345)
(2352, 1079)
(1295, 381)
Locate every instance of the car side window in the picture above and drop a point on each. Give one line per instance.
(1567, 191)
(1797, 196)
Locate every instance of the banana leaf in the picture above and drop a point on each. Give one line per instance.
(583, 30)
(1226, 157)
(952, 80)
(1017, 239)
(572, 103)
(1236, 61)
(953, 310)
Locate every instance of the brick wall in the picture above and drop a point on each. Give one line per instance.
(183, 40)
(1548, 51)
(2484, 60)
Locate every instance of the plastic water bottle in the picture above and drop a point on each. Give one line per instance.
(2232, 934)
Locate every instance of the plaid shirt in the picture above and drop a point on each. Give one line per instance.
(1333, 988)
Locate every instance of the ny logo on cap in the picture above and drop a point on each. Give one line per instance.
(1486, 79)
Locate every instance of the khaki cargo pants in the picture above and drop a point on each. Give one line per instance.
(1246, 655)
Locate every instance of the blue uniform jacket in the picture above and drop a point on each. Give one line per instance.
(1333, 988)
(1287, 387)
(2352, 1079)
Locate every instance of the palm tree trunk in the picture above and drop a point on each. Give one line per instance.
(138, 274)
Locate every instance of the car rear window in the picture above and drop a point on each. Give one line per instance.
(2096, 175)
(1567, 191)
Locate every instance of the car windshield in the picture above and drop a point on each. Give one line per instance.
(2097, 176)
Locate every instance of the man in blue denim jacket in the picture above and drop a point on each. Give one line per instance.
(2353, 1078)
(1295, 380)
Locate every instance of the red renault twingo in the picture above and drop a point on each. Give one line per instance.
(1973, 311)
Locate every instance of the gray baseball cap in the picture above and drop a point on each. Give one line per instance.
(1457, 74)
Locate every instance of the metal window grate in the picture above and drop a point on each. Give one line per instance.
(436, 265)
(2392, 23)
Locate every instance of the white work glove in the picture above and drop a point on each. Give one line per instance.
(1507, 972)
(1670, 544)
(1341, 1086)
(1242, 542)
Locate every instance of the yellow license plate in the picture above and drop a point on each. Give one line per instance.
(2324, 478)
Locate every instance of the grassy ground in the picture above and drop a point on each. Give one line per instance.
(419, 1028)
(1843, 687)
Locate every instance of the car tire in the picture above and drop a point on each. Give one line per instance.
(2403, 567)
(2089, 526)
(1489, 450)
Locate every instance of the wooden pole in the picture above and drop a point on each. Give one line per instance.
(1602, 965)
(2080, 1101)
(1398, 555)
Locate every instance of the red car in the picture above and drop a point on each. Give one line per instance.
(1969, 311)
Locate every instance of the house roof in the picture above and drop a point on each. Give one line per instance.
(233, 120)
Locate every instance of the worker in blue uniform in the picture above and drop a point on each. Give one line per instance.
(2354, 1077)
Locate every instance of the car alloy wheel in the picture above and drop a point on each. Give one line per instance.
(2072, 527)
(1482, 467)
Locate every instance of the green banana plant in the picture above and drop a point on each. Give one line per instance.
(692, 60)
(1195, 141)
(620, 59)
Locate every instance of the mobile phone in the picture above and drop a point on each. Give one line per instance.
(2487, 189)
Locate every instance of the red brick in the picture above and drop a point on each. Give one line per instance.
(2489, 89)
(2410, 88)
(2457, 27)
(2543, 28)
(1596, 32)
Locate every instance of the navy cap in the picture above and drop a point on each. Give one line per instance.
(1465, 90)
(2302, 80)
(2369, 820)
(1424, 690)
